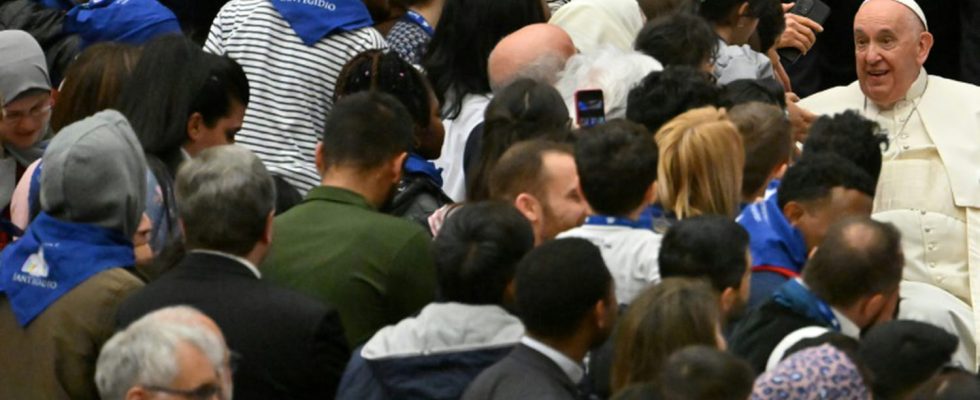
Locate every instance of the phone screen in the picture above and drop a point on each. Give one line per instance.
(590, 109)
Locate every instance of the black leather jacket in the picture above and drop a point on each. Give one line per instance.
(416, 198)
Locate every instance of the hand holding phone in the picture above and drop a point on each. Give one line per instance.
(815, 12)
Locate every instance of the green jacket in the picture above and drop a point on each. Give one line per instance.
(374, 268)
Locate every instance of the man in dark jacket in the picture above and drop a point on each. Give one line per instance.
(436, 354)
(292, 346)
(850, 284)
(567, 302)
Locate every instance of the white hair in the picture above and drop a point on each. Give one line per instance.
(610, 69)
(544, 68)
(145, 353)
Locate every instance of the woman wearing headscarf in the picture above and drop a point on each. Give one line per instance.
(816, 373)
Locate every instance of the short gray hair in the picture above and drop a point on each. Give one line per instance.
(545, 69)
(224, 196)
(145, 353)
(612, 70)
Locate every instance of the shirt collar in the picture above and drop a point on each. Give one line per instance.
(847, 327)
(248, 264)
(918, 87)
(338, 195)
(571, 368)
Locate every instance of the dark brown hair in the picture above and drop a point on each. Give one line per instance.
(520, 169)
(93, 82)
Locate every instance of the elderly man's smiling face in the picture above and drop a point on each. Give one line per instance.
(891, 45)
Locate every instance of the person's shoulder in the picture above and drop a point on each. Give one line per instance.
(116, 281)
(289, 303)
(961, 88)
(511, 379)
(503, 380)
(770, 321)
(234, 7)
(360, 39)
(834, 100)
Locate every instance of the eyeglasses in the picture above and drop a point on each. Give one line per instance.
(206, 391)
(13, 118)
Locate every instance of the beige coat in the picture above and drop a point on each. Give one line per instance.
(54, 357)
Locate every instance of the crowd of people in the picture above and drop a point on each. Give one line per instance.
(488, 199)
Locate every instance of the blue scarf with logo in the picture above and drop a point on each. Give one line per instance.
(772, 240)
(53, 258)
(313, 20)
(415, 164)
(797, 298)
(128, 21)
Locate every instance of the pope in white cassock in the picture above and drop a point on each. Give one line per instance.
(929, 186)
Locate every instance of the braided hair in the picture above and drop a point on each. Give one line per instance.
(388, 73)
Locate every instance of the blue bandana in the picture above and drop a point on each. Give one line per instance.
(415, 164)
(53, 258)
(128, 21)
(313, 20)
(794, 296)
(772, 240)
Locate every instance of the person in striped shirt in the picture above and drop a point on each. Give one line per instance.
(292, 53)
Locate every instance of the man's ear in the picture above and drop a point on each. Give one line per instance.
(650, 196)
(509, 296)
(794, 212)
(742, 12)
(778, 172)
(871, 308)
(267, 233)
(195, 127)
(318, 158)
(925, 45)
(728, 299)
(605, 315)
(529, 206)
(396, 166)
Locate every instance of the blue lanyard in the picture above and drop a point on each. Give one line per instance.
(612, 221)
(419, 20)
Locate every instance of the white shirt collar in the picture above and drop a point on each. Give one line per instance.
(918, 87)
(847, 327)
(571, 368)
(248, 264)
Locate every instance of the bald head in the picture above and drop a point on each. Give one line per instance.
(537, 51)
(858, 257)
